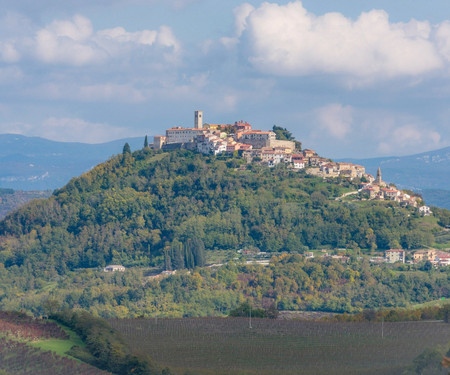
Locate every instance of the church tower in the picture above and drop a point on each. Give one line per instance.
(198, 120)
(378, 180)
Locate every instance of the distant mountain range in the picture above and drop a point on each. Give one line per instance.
(33, 163)
(427, 173)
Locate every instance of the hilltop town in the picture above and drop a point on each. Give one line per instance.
(260, 146)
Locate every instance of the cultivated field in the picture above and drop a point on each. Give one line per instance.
(230, 346)
(22, 339)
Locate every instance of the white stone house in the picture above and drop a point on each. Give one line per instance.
(114, 268)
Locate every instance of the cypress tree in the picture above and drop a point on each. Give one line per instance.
(167, 259)
(188, 254)
(198, 250)
(176, 255)
(145, 142)
(126, 149)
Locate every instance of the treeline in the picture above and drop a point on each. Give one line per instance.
(290, 282)
(399, 314)
(149, 207)
(247, 310)
(105, 348)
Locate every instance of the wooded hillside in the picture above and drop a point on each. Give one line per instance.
(137, 208)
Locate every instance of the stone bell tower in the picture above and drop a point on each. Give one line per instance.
(378, 180)
(198, 120)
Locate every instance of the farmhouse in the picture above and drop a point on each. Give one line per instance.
(114, 268)
(395, 255)
(425, 210)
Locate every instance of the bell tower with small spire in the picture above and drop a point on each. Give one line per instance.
(378, 180)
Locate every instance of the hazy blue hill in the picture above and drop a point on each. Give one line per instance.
(12, 199)
(33, 163)
(428, 173)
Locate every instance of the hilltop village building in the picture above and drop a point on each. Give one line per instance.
(218, 138)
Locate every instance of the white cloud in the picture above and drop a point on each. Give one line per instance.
(68, 42)
(335, 120)
(288, 40)
(74, 42)
(369, 132)
(119, 34)
(241, 14)
(443, 40)
(110, 92)
(68, 130)
(8, 53)
(409, 137)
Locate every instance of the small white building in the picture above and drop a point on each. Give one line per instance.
(114, 268)
(395, 255)
(425, 211)
(443, 260)
(298, 162)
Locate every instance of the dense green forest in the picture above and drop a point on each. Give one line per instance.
(168, 209)
(137, 207)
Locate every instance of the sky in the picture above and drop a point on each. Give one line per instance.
(349, 78)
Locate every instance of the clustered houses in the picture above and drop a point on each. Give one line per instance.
(379, 193)
(263, 146)
(342, 170)
(436, 257)
(272, 156)
(326, 168)
(379, 190)
(253, 144)
(217, 138)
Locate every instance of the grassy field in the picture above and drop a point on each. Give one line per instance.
(230, 346)
(439, 302)
(58, 346)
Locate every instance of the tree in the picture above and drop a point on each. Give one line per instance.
(176, 255)
(272, 311)
(282, 133)
(427, 363)
(51, 306)
(145, 142)
(126, 149)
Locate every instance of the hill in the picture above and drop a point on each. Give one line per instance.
(136, 207)
(154, 210)
(427, 173)
(33, 163)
